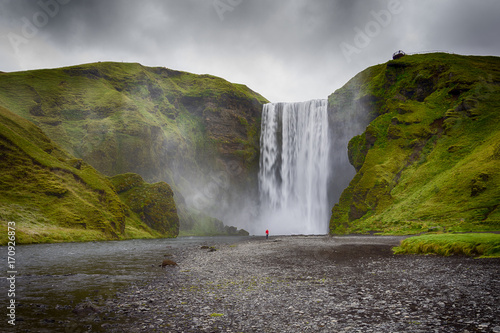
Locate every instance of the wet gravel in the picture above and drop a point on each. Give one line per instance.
(305, 284)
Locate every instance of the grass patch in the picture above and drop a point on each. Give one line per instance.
(484, 245)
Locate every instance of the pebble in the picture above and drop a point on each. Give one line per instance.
(312, 284)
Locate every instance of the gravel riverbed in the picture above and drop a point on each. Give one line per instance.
(308, 284)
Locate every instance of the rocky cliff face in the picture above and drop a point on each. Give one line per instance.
(349, 112)
(198, 133)
(429, 155)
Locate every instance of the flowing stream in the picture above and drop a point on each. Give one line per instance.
(53, 278)
(294, 168)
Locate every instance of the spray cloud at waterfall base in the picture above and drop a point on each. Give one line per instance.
(294, 168)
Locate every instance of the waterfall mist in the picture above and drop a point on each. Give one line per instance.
(294, 170)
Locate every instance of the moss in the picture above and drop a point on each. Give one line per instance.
(163, 124)
(357, 150)
(103, 112)
(154, 203)
(40, 182)
(478, 245)
(428, 157)
(204, 225)
(127, 181)
(53, 196)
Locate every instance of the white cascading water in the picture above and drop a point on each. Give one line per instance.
(294, 169)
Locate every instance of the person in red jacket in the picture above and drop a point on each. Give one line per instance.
(267, 234)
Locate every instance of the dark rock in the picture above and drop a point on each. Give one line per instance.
(394, 132)
(168, 262)
(478, 184)
(86, 308)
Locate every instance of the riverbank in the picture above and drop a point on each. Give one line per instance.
(308, 284)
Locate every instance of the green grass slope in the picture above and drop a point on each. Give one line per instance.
(484, 245)
(52, 196)
(116, 116)
(154, 203)
(162, 124)
(430, 157)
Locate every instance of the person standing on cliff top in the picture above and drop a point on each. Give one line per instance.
(267, 234)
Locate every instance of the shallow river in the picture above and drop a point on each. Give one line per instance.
(52, 278)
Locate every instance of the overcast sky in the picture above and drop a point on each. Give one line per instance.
(286, 50)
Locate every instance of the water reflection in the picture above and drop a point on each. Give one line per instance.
(58, 276)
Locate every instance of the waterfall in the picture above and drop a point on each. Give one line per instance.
(294, 168)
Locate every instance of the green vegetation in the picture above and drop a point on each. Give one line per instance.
(154, 203)
(204, 225)
(474, 244)
(124, 117)
(52, 196)
(428, 160)
(162, 124)
(430, 157)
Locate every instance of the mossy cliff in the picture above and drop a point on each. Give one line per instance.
(52, 196)
(162, 124)
(430, 157)
(154, 203)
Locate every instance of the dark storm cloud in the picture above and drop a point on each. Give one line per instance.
(461, 26)
(286, 50)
